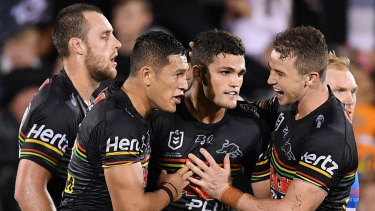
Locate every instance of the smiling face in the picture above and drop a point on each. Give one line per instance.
(343, 86)
(102, 47)
(169, 84)
(223, 80)
(285, 79)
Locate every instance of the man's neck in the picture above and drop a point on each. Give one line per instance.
(81, 80)
(201, 108)
(137, 96)
(311, 101)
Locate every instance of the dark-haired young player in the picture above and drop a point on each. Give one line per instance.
(109, 166)
(210, 117)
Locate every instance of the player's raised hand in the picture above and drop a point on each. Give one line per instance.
(214, 178)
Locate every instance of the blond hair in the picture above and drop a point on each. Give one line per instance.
(338, 61)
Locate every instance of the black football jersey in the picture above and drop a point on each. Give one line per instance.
(319, 149)
(239, 133)
(112, 134)
(49, 128)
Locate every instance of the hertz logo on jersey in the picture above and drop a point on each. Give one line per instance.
(124, 144)
(48, 136)
(323, 162)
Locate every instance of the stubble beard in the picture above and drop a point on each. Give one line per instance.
(97, 68)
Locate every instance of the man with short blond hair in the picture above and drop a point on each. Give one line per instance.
(344, 87)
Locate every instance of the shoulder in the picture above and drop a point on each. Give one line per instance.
(117, 112)
(247, 109)
(247, 115)
(331, 121)
(331, 131)
(53, 99)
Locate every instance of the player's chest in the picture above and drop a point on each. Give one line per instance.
(289, 137)
(179, 141)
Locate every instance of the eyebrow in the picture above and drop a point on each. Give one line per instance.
(345, 88)
(230, 69)
(181, 70)
(108, 31)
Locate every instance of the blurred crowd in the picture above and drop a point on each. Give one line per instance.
(27, 55)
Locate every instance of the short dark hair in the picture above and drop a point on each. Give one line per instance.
(211, 43)
(153, 49)
(308, 45)
(69, 23)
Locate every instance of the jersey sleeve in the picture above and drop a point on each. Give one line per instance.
(123, 144)
(45, 135)
(261, 170)
(321, 159)
(268, 110)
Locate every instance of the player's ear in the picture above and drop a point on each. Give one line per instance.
(146, 73)
(196, 71)
(312, 78)
(199, 72)
(77, 46)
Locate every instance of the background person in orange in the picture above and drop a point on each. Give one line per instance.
(364, 131)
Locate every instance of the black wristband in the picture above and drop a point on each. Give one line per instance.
(169, 192)
(172, 186)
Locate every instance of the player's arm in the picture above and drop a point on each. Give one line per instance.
(38, 159)
(125, 185)
(300, 195)
(261, 189)
(260, 182)
(31, 187)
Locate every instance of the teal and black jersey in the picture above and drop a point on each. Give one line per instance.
(240, 133)
(112, 134)
(49, 128)
(318, 149)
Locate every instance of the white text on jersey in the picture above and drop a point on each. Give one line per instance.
(48, 136)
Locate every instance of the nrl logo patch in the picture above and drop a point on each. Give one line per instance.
(176, 139)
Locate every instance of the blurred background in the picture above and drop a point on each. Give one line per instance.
(27, 55)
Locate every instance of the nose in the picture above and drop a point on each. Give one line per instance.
(271, 78)
(117, 43)
(236, 80)
(183, 84)
(349, 99)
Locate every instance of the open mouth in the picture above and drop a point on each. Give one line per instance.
(113, 59)
(231, 93)
(177, 99)
(278, 92)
